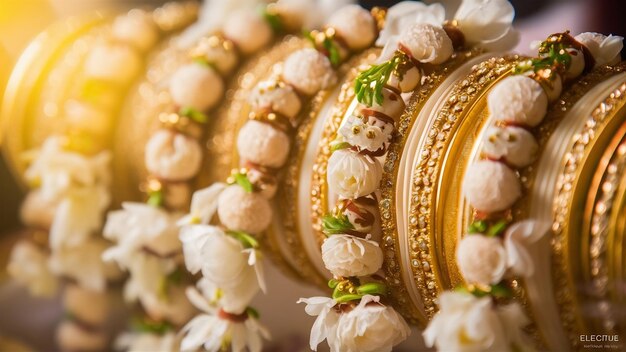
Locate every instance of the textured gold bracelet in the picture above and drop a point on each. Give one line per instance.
(430, 247)
(568, 194)
(599, 231)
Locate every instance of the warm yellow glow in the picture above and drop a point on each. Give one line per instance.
(21, 20)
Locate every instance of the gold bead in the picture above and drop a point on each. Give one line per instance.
(370, 134)
(356, 129)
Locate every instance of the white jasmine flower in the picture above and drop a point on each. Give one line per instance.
(203, 205)
(307, 14)
(240, 210)
(513, 321)
(140, 226)
(173, 156)
(309, 71)
(517, 240)
(170, 304)
(28, 266)
(481, 259)
(240, 280)
(194, 237)
(400, 17)
(466, 323)
(346, 255)
(212, 16)
(136, 28)
(84, 264)
(354, 25)
(78, 215)
(491, 186)
(353, 175)
(327, 318)
(78, 184)
(37, 211)
(147, 274)
(214, 328)
(142, 342)
(427, 43)
(369, 327)
(58, 170)
(365, 136)
(487, 23)
(604, 49)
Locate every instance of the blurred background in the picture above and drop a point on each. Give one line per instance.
(22, 20)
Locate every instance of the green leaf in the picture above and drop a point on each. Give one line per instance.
(252, 312)
(497, 228)
(242, 180)
(274, 21)
(202, 61)
(369, 85)
(337, 145)
(333, 51)
(461, 289)
(332, 225)
(175, 277)
(372, 288)
(193, 114)
(479, 226)
(246, 239)
(155, 327)
(348, 297)
(500, 291)
(155, 198)
(332, 283)
(309, 36)
(554, 56)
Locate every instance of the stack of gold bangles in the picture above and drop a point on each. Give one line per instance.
(397, 159)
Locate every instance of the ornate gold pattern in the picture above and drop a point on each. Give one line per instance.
(543, 132)
(426, 258)
(565, 289)
(597, 227)
(390, 240)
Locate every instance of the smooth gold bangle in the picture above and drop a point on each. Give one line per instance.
(24, 122)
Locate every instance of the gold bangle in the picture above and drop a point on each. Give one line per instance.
(571, 190)
(599, 237)
(432, 253)
(288, 192)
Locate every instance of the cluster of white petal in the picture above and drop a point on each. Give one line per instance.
(467, 323)
(367, 326)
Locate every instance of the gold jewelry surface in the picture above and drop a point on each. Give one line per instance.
(598, 234)
(434, 202)
(571, 192)
(47, 68)
(393, 264)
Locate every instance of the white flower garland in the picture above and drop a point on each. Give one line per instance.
(242, 205)
(496, 249)
(71, 180)
(146, 234)
(414, 34)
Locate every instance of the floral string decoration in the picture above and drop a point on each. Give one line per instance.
(146, 234)
(242, 204)
(70, 177)
(415, 35)
(480, 315)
